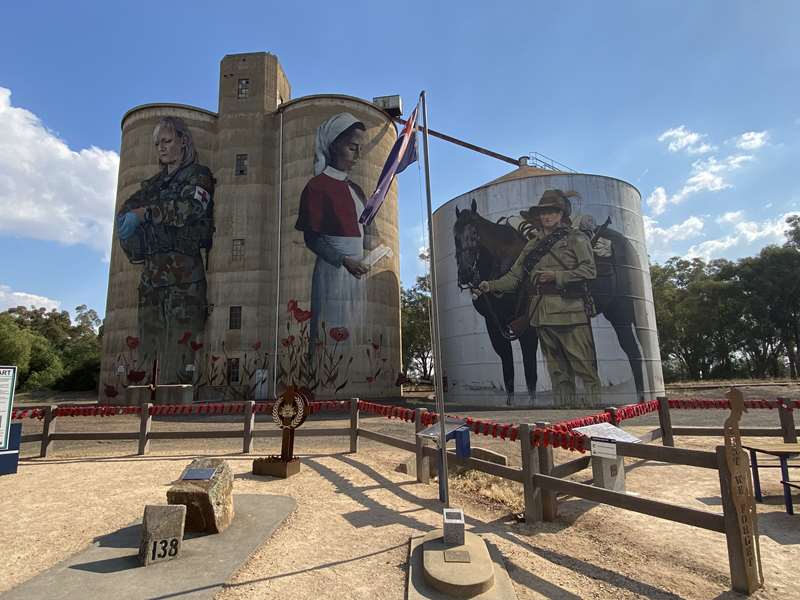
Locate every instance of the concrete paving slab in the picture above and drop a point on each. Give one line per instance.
(418, 589)
(110, 567)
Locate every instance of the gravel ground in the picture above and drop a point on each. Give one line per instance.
(349, 536)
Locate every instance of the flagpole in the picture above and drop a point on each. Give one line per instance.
(437, 353)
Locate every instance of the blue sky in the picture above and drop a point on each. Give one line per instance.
(696, 104)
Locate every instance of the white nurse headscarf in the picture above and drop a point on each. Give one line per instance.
(327, 132)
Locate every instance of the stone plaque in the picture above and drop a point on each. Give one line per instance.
(458, 556)
(162, 533)
(453, 526)
(198, 474)
(209, 502)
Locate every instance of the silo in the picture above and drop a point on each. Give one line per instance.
(124, 361)
(353, 350)
(483, 362)
(209, 270)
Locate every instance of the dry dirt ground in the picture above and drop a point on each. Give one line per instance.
(349, 536)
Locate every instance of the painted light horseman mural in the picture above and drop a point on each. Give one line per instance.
(166, 226)
(543, 279)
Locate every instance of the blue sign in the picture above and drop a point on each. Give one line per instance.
(8, 379)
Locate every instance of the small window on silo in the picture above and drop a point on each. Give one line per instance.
(235, 317)
(233, 370)
(237, 250)
(241, 164)
(243, 90)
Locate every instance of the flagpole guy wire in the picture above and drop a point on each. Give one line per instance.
(437, 351)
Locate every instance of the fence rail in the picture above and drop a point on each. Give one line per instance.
(541, 478)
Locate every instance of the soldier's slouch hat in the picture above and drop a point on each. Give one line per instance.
(551, 199)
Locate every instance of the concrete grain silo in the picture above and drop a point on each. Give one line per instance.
(623, 336)
(206, 259)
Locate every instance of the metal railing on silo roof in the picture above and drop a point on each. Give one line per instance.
(539, 160)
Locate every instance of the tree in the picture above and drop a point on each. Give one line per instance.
(415, 318)
(793, 233)
(60, 353)
(15, 346)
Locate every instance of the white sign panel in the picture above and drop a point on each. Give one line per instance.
(8, 378)
(604, 449)
(607, 431)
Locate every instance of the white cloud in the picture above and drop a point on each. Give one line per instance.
(660, 239)
(771, 231)
(49, 191)
(657, 200)
(731, 217)
(11, 299)
(691, 227)
(681, 138)
(707, 175)
(752, 140)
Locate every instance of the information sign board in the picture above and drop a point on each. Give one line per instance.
(8, 379)
(450, 425)
(603, 449)
(607, 431)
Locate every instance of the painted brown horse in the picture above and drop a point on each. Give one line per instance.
(484, 251)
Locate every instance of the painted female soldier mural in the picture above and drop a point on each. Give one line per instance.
(553, 270)
(164, 226)
(328, 217)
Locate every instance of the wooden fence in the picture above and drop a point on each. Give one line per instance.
(542, 480)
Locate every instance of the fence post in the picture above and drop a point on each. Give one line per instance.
(549, 501)
(530, 465)
(145, 423)
(353, 425)
(423, 462)
(249, 425)
(665, 420)
(737, 553)
(787, 421)
(612, 411)
(48, 427)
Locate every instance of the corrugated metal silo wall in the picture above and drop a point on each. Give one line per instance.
(473, 368)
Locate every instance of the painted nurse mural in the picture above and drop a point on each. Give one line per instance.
(328, 217)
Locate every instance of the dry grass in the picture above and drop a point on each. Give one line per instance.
(495, 492)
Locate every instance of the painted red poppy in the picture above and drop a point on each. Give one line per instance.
(292, 306)
(132, 342)
(257, 346)
(375, 346)
(370, 379)
(287, 341)
(214, 358)
(339, 334)
(301, 315)
(185, 337)
(135, 376)
(196, 346)
(111, 391)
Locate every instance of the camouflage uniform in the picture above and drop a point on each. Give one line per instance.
(559, 313)
(172, 288)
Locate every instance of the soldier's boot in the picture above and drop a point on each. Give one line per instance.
(532, 397)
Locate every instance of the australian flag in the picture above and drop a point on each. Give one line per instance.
(403, 154)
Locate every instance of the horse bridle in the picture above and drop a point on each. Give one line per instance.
(472, 286)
